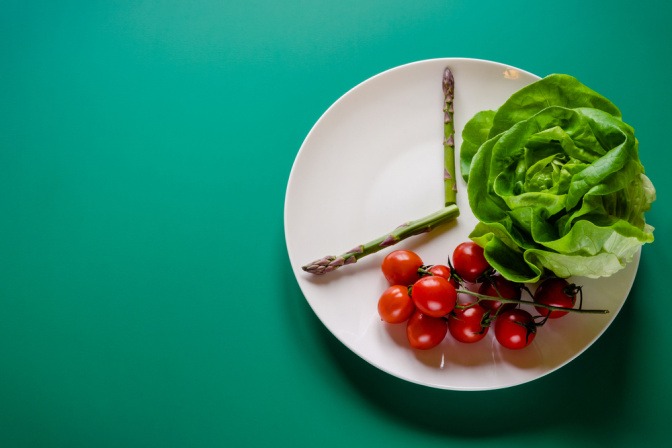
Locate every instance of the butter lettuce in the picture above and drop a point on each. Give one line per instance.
(555, 180)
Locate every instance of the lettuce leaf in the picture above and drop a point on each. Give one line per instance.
(555, 180)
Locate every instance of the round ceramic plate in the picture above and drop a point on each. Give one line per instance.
(375, 160)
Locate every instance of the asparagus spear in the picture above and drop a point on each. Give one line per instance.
(449, 212)
(408, 229)
(450, 183)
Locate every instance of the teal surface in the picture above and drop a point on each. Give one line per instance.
(146, 297)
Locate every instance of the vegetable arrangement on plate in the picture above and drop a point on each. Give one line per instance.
(555, 180)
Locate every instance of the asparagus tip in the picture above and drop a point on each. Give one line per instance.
(327, 264)
(448, 82)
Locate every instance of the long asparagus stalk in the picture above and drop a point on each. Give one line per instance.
(447, 213)
(449, 181)
(408, 229)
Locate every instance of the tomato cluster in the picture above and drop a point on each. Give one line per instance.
(425, 297)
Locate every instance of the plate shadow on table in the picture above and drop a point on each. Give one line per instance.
(596, 383)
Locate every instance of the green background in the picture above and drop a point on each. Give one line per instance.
(146, 297)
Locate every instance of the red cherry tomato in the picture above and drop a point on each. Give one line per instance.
(515, 329)
(425, 332)
(395, 305)
(400, 267)
(434, 296)
(469, 261)
(468, 324)
(441, 270)
(555, 292)
(498, 286)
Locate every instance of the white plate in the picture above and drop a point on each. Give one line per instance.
(375, 160)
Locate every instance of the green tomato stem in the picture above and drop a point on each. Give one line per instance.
(526, 302)
(423, 225)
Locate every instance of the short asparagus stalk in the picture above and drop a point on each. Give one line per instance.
(406, 230)
(449, 178)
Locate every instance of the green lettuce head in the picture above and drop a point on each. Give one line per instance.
(555, 180)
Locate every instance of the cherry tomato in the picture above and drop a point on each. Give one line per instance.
(400, 267)
(515, 329)
(434, 296)
(469, 324)
(425, 332)
(395, 305)
(498, 286)
(555, 292)
(469, 261)
(441, 270)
